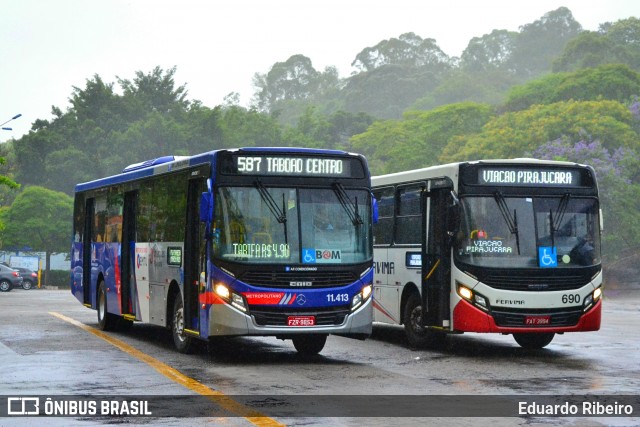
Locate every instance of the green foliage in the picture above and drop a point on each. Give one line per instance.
(486, 87)
(102, 132)
(407, 50)
(617, 42)
(417, 140)
(541, 41)
(614, 82)
(515, 133)
(59, 278)
(388, 90)
(38, 218)
(489, 52)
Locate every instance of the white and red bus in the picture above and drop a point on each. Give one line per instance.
(504, 246)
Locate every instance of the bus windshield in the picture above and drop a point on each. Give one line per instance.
(292, 225)
(526, 232)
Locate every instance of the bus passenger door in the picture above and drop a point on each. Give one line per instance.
(127, 252)
(89, 211)
(436, 265)
(192, 254)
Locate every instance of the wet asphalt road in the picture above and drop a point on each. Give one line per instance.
(43, 353)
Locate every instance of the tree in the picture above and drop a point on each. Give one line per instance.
(541, 41)
(613, 82)
(41, 219)
(589, 49)
(155, 91)
(619, 185)
(407, 50)
(331, 131)
(515, 133)
(417, 140)
(489, 52)
(617, 42)
(293, 79)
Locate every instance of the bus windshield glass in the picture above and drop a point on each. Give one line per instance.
(292, 225)
(529, 232)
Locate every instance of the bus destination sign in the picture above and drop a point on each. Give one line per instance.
(289, 165)
(513, 176)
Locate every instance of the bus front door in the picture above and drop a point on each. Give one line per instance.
(193, 255)
(436, 265)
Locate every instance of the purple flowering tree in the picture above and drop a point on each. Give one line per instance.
(618, 174)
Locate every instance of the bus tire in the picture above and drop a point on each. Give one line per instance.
(183, 342)
(309, 345)
(418, 336)
(533, 341)
(106, 320)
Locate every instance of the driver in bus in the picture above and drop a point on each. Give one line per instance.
(321, 218)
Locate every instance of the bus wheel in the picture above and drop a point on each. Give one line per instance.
(309, 345)
(106, 320)
(533, 341)
(183, 342)
(417, 336)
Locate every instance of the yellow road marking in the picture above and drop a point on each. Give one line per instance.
(219, 398)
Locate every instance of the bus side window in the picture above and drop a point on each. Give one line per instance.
(408, 225)
(383, 230)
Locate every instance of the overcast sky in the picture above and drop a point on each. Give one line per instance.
(49, 46)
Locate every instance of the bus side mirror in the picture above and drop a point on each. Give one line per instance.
(374, 209)
(453, 215)
(206, 207)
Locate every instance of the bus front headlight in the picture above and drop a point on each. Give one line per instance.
(231, 298)
(473, 297)
(592, 298)
(361, 297)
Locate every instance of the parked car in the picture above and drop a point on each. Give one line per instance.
(9, 278)
(29, 277)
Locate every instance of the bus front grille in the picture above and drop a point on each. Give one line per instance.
(312, 279)
(535, 284)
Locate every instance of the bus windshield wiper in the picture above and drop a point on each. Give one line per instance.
(556, 220)
(350, 208)
(279, 214)
(512, 223)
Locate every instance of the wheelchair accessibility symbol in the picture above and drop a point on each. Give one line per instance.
(308, 256)
(547, 257)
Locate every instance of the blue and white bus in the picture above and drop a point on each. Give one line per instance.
(252, 241)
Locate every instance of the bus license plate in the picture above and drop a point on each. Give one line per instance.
(537, 320)
(301, 321)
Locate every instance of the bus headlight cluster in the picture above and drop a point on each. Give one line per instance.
(473, 297)
(231, 298)
(361, 297)
(592, 298)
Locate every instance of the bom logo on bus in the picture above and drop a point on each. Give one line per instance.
(313, 256)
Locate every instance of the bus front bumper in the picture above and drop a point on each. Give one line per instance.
(225, 320)
(467, 318)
